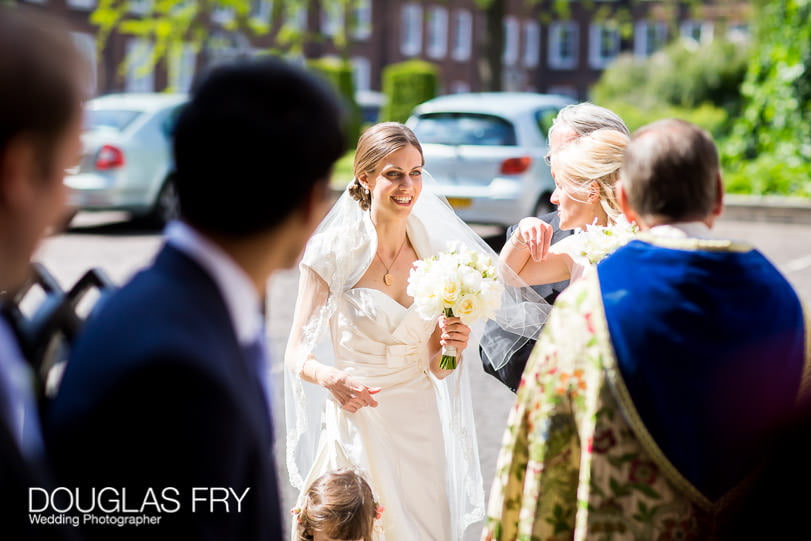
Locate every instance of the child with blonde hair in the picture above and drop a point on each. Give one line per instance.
(338, 505)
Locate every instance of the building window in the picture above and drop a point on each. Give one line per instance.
(411, 31)
(140, 7)
(140, 71)
(563, 39)
(362, 19)
(86, 44)
(82, 4)
(604, 45)
(649, 37)
(332, 18)
(698, 31)
(512, 33)
(462, 35)
(182, 63)
(563, 90)
(222, 16)
(458, 87)
(739, 33)
(532, 43)
(262, 11)
(296, 17)
(437, 32)
(361, 73)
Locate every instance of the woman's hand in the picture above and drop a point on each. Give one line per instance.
(348, 392)
(536, 235)
(453, 333)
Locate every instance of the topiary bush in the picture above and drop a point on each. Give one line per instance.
(338, 73)
(407, 85)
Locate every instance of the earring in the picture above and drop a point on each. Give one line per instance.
(366, 188)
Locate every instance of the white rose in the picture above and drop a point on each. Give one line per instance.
(429, 306)
(471, 279)
(469, 309)
(450, 291)
(492, 291)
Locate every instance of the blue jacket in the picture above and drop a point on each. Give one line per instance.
(158, 394)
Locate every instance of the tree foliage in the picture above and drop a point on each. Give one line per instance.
(770, 147)
(699, 83)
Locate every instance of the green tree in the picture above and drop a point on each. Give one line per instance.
(697, 83)
(770, 147)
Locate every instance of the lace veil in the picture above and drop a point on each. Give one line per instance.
(336, 257)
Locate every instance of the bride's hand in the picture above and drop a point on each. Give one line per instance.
(453, 333)
(536, 235)
(350, 394)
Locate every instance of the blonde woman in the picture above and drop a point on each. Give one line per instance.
(585, 172)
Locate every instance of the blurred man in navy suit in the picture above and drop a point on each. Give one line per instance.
(165, 395)
(40, 118)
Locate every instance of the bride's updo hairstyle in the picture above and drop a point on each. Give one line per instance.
(597, 158)
(375, 144)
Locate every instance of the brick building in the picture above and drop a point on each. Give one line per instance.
(544, 50)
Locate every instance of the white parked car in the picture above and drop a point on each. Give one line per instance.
(486, 151)
(127, 157)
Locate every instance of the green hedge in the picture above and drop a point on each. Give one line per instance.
(339, 74)
(407, 85)
(711, 118)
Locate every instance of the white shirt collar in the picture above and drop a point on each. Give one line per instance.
(693, 230)
(236, 288)
(20, 409)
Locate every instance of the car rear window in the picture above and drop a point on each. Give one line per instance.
(464, 129)
(109, 118)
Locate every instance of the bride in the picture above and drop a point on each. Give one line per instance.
(380, 403)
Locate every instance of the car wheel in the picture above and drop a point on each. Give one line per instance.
(167, 207)
(544, 205)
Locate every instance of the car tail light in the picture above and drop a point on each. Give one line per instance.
(515, 166)
(109, 157)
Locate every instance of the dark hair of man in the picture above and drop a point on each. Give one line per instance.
(670, 171)
(40, 81)
(252, 143)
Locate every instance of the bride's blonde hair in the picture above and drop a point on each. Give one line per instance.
(594, 158)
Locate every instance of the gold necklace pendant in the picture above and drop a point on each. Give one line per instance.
(387, 279)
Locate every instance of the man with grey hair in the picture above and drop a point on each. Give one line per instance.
(658, 382)
(571, 122)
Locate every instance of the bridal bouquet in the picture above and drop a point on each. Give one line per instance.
(458, 283)
(598, 242)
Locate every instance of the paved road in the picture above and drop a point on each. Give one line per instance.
(121, 248)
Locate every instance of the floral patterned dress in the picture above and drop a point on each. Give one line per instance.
(577, 462)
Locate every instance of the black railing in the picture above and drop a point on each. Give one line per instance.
(45, 335)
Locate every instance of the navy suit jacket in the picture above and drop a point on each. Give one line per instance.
(510, 373)
(158, 394)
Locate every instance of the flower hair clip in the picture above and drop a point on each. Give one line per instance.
(296, 511)
(379, 511)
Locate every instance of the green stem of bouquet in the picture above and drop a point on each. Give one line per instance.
(448, 362)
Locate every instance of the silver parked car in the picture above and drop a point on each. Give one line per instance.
(127, 159)
(486, 151)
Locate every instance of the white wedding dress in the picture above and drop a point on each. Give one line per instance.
(418, 447)
(399, 443)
